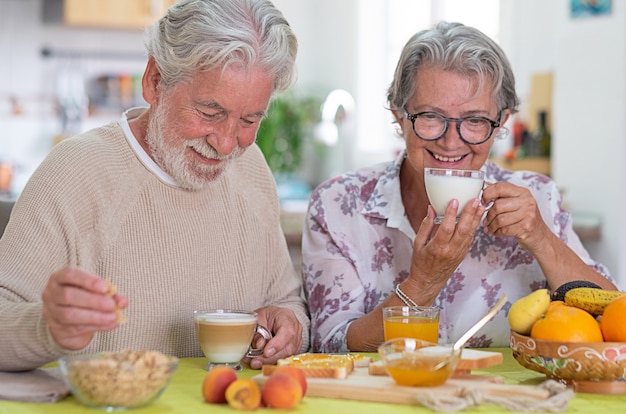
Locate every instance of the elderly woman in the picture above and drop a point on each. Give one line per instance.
(370, 240)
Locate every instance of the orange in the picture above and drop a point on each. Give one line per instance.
(567, 324)
(612, 322)
(554, 304)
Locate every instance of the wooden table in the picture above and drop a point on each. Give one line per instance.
(184, 396)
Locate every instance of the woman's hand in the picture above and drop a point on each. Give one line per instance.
(286, 335)
(515, 214)
(439, 250)
(77, 304)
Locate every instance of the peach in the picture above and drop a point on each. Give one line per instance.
(281, 391)
(244, 394)
(215, 383)
(294, 372)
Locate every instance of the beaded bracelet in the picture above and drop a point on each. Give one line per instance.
(405, 298)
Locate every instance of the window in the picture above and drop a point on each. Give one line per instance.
(402, 18)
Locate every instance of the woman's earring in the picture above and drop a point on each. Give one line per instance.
(501, 134)
(398, 128)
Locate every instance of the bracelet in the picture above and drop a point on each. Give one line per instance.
(405, 298)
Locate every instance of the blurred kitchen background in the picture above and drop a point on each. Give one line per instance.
(70, 65)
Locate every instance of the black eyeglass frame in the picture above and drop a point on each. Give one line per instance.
(457, 121)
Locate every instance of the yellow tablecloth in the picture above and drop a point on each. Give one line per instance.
(184, 396)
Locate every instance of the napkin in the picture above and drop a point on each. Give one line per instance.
(39, 385)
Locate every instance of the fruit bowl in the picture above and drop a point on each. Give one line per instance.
(598, 367)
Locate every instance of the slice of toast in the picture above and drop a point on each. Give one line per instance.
(321, 365)
(360, 361)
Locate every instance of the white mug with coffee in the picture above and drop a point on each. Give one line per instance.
(226, 336)
(444, 185)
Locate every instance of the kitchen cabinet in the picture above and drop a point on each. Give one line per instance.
(118, 14)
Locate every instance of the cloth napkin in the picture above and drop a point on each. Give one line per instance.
(39, 385)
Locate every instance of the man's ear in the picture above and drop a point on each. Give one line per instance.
(150, 81)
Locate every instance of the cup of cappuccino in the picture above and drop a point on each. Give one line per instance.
(226, 336)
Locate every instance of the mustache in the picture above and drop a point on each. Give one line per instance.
(206, 150)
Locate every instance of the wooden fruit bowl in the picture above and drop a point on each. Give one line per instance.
(596, 367)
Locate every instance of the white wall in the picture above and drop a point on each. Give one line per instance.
(588, 59)
(589, 134)
(528, 36)
(326, 31)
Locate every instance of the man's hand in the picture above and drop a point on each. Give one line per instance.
(287, 335)
(77, 304)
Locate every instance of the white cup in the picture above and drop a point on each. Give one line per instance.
(444, 185)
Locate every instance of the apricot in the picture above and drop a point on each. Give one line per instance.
(281, 391)
(215, 383)
(294, 372)
(244, 394)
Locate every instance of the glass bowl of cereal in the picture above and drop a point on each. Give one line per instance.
(116, 381)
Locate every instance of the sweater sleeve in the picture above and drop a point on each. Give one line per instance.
(37, 241)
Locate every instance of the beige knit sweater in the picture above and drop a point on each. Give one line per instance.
(94, 205)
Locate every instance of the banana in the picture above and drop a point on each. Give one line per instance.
(559, 293)
(592, 300)
(525, 311)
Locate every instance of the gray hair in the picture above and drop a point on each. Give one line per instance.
(458, 48)
(200, 35)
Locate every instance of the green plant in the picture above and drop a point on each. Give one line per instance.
(282, 133)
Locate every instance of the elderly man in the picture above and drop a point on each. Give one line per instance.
(173, 205)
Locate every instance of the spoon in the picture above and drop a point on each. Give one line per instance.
(471, 331)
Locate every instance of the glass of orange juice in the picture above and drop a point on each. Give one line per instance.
(420, 322)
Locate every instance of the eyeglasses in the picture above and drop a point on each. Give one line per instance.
(430, 126)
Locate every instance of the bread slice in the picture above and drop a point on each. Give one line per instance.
(322, 365)
(360, 361)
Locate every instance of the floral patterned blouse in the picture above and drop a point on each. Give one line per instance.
(357, 244)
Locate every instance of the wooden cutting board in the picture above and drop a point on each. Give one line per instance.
(362, 386)
(372, 383)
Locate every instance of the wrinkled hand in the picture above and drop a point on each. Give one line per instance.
(286, 335)
(439, 249)
(76, 305)
(515, 213)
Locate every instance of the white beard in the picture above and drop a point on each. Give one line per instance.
(173, 159)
